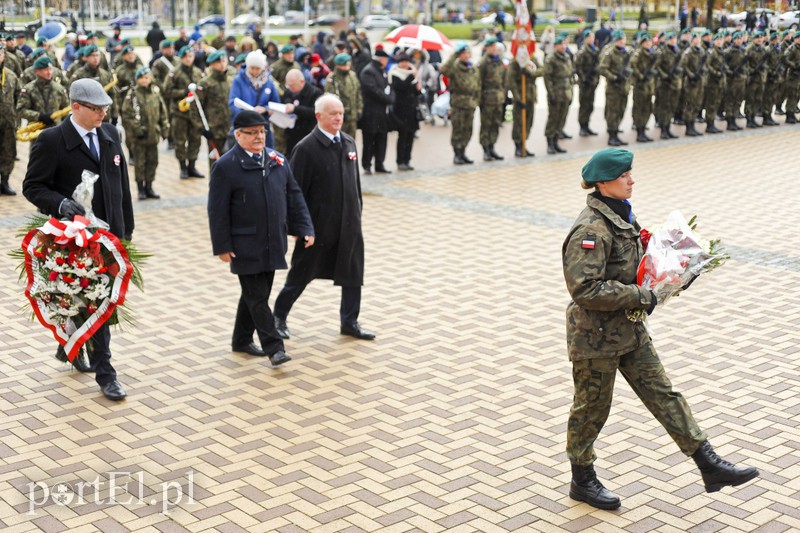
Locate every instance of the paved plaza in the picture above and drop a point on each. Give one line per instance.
(454, 418)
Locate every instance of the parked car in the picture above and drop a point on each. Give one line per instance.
(217, 20)
(325, 20)
(569, 19)
(293, 17)
(790, 19)
(402, 19)
(738, 18)
(246, 19)
(125, 20)
(372, 22)
(277, 20)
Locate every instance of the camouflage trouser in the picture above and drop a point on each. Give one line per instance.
(666, 100)
(792, 94)
(516, 128)
(753, 98)
(349, 126)
(491, 118)
(279, 139)
(681, 103)
(594, 388)
(586, 101)
(772, 90)
(642, 105)
(693, 100)
(556, 116)
(185, 138)
(8, 148)
(733, 96)
(712, 97)
(461, 119)
(616, 102)
(146, 162)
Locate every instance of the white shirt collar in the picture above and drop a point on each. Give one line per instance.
(331, 135)
(81, 131)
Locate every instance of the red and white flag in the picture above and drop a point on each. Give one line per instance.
(523, 41)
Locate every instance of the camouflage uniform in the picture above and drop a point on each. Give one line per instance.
(601, 279)
(126, 76)
(10, 90)
(465, 90)
(185, 125)
(643, 64)
(669, 85)
(773, 94)
(614, 68)
(29, 75)
(15, 61)
(73, 68)
(104, 77)
(716, 82)
(558, 78)
(278, 70)
(756, 57)
(493, 99)
(737, 64)
(587, 65)
(41, 96)
(346, 86)
(693, 64)
(146, 121)
(160, 71)
(213, 91)
(532, 71)
(792, 61)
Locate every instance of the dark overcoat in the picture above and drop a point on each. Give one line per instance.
(58, 158)
(405, 105)
(251, 208)
(329, 178)
(376, 102)
(304, 109)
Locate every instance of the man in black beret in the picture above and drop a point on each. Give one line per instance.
(252, 196)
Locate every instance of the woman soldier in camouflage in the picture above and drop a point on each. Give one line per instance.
(601, 255)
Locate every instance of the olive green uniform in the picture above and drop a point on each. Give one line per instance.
(41, 96)
(146, 121)
(104, 77)
(716, 81)
(493, 98)
(126, 80)
(756, 57)
(693, 64)
(668, 86)
(558, 80)
(587, 67)
(29, 75)
(643, 64)
(10, 90)
(15, 61)
(600, 259)
(160, 70)
(347, 87)
(614, 67)
(532, 71)
(465, 90)
(213, 91)
(734, 94)
(185, 127)
(776, 77)
(792, 61)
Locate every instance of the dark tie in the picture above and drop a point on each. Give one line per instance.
(92, 147)
(257, 158)
(337, 143)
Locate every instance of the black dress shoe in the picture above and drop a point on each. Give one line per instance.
(113, 391)
(355, 330)
(250, 349)
(80, 363)
(281, 328)
(278, 358)
(367, 172)
(382, 170)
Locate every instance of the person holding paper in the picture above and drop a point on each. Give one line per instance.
(254, 86)
(299, 98)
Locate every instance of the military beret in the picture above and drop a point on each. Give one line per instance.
(166, 43)
(37, 52)
(737, 35)
(142, 71)
(587, 32)
(286, 48)
(126, 49)
(670, 35)
(775, 35)
(705, 32)
(607, 165)
(90, 49)
(462, 46)
(215, 56)
(342, 59)
(617, 35)
(661, 34)
(80, 52)
(247, 118)
(42, 62)
(758, 33)
(40, 41)
(719, 35)
(91, 35)
(240, 58)
(784, 33)
(185, 50)
(560, 38)
(490, 41)
(89, 91)
(685, 31)
(644, 36)
(125, 41)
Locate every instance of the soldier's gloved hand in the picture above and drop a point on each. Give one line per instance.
(69, 208)
(653, 303)
(46, 120)
(678, 70)
(206, 133)
(520, 103)
(141, 135)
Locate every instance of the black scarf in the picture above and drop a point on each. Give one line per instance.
(622, 208)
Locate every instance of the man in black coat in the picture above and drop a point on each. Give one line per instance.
(325, 165)
(252, 201)
(57, 159)
(155, 36)
(374, 123)
(299, 98)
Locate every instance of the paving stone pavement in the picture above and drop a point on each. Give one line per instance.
(454, 418)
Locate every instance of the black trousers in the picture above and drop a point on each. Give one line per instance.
(405, 141)
(349, 308)
(374, 147)
(254, 315)
(99, 350)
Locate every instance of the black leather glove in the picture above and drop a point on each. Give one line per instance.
(141, 135)
(114, 121)
(69, 208)
(207, 134)
(653, 303)
(46, 120)
(689, 283)
(129, 237)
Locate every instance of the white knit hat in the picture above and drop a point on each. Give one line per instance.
(256, 59)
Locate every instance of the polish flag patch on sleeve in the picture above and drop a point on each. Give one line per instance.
(587, 244)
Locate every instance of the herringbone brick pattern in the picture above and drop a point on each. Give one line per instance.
(454, 418)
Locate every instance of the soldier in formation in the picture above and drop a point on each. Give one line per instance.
(587, 68)
(464, 98)
(615, 68)
(643, 64)
(10, 90)
(212, 93)
(518, 73)
(185, 120)
(558, 79)
(39, 99)
(493, 92)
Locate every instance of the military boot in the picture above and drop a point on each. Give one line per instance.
(717, 472)
(558, 147)
(150, 193)
(665, 136)
(140, 188)
(193, 172)
(551, 148)
(563, 135)
(691, 131)
(466, 159)
(751, 122)
(518, 150)
(494, 154)
(711, 128)
(584, 131)
(487, 155)
(585, 487)
(5, 188)
(732, 126)
(791, 118)
(458, 159)
(768, 120)
(779, 111)
(614, 140)
(184, 170)
(641, 137)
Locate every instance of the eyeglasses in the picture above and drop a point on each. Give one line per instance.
(95, 108)
(254, 133)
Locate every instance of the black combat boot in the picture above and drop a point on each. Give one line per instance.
(487, 155)
(184, 170)
(584, 131)
(590, 131)
(768, 120)
(518, 150)
(494, 154)
(551, 146)
(641, 137)
(458, 158)
(678, 121)
(779, 111)
(665, 136)
(193, 172)
(717, 472)
(5, 188)
(691, 131)
(466, 159)
(613, 139)
(732, 125)
(585, 487)
(790, 118)
(751, 122)
(150, 193)
(558, 146)
(140, 188)
(563, 135)
(711, 128)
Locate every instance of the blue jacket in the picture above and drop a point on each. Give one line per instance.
(244, 90)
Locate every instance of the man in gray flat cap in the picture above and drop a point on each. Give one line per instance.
(57, 159)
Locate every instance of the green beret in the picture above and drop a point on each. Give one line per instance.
(559, 39)
(644, 36)
(607, 165)
(670, 35)
(215, 56)
(185, 50)
(40, 41)
(166, 43)
(37, 52)
(737, 35)
(142, 71)
(91, 35)
(617, 35)
(462, 46)
(240, 58)
(490, 41)
(705, 32)
(587, 32)
(80, 52)
(126, 49)
(661, 34)
(125, 41)
(342, 59)
(286, 48)
(784, 33)
(42, 62)
(758, 33)
(90, 49)
(684, 31)
(775, 35)
(719, 35)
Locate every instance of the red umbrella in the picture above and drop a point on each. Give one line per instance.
(419, 36)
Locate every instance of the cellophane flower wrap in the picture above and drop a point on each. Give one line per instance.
(77, 272)
(674, 256)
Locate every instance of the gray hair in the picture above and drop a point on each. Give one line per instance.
(324, 100)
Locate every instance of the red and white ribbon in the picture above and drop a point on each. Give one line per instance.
(66, 231)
